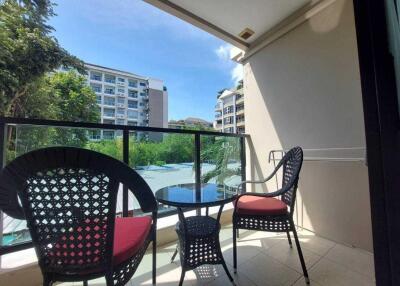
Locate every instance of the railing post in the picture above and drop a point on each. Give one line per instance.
(243, 161)
(3, 154)
(197, 164)
(125, 155)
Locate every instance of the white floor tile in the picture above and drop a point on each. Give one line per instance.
(263, 270)
(355, 259)
(289, 256)
(329, 273)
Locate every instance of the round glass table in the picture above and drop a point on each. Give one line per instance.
(198, 235)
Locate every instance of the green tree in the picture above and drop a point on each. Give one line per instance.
(27, 51)
(59, 96)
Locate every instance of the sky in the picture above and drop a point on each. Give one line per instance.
(134, 36)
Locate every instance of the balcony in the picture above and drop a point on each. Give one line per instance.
(294, 98)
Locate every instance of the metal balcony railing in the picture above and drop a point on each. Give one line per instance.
(13, 132)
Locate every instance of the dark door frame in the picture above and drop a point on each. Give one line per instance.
(382, 136)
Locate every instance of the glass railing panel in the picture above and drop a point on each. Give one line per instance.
(221, 160)
(162, 159)
(25, 138)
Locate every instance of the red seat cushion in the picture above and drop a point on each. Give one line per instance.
(130, 234)
(254, 205)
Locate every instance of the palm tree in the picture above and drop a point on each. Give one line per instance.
(221, 151)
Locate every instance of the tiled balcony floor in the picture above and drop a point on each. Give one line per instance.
(265, 259)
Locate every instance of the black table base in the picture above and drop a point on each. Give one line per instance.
(199, 242)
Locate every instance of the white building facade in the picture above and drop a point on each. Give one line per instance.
(229, 112)
(125, 98)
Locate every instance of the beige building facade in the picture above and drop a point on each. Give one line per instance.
(229, 111)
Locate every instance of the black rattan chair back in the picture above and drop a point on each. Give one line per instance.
(291, 165)
(68, 197)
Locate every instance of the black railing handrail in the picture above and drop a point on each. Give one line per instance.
(76, 124)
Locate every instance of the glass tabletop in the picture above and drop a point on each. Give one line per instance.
(185, 195)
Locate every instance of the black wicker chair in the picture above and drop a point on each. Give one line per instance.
(265, 212)
(68, 198)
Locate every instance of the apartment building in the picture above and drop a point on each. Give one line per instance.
(125, 98)
(229, 111)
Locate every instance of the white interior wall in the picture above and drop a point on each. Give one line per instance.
(304, 89)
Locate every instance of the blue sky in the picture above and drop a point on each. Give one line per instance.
(134, 36)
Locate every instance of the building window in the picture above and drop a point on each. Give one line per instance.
(228, 130)
(141, 104)
(120, 122)
(228, 120)
(95, 87)
(132, 83)
(109, 78)
(132, 123)
(120, 79)
(109, 113)
(109, 90)
(121, 111)
(94, 135)
(142, 84)
(228, 109)
(143, 94)
(108, 134)
(109, 121)
(121, 100)
(98, 99)
(132, 114)
(132, 104)
(121, 90)
(95, 76)
(240, 107)
(109, 101)
(132, 93)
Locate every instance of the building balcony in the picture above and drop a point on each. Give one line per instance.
(240, 100)
(240, 111)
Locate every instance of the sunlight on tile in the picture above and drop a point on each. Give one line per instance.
(264, 259)
(264, 270)
(289, 256)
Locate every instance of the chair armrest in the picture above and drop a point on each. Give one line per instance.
(240, 185)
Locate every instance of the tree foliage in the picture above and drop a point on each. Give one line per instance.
(27, 51)
(59, 96)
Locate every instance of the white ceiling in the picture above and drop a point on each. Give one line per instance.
(233, 16)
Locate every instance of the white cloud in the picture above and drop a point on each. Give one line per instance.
(237, 73)
(224, 53)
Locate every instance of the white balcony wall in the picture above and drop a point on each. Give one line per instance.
(304, 89)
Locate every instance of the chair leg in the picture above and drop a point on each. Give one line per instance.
(182, 276)
(303, 264)
(289, 239)
(47, 281)
(174, 255)
(85, 283)
(235, 231)
(154, 257)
